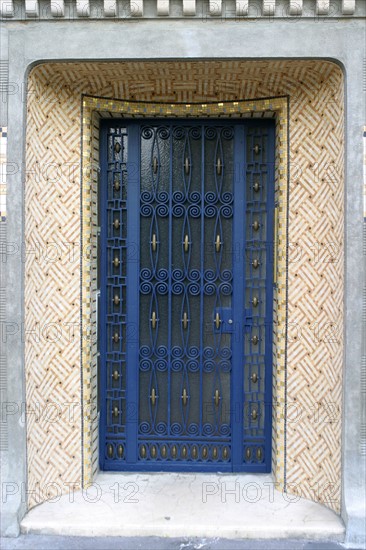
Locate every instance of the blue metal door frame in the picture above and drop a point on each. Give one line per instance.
(119, 400)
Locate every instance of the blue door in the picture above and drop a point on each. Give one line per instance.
(186, 295)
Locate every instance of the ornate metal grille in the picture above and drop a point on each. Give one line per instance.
(186, 296)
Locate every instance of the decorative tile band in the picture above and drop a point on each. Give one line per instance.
(238, 9)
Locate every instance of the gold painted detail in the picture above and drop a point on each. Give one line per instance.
(185, 320)
(153, 320)
(254, 414)
(248, 453)
(259, 453)
(194, 452)
(153, 397)
(116, 300)
(174, 451)
(204, 452)
(218, 167)
(116, 262)
(116, 337)
(217, 398)
(155, 165)
(153, 452)
(225, 453)
(255, 301)
(217, 321)
(153, 243)
(254, 378)
(143, 451)
(115, 375)
(117, 147)
(120, 451)
(184, 397)
(186, 243)
(163, 451)
(255, 263)
(117, 185)
(116, 224)
(110, 451)
(255, 340)
(186, 165)
(218, 243)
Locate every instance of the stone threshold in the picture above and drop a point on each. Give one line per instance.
(231, 506)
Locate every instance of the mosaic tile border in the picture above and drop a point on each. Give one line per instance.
(105, 107)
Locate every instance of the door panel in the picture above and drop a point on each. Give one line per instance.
(185, 365)
(186, 295)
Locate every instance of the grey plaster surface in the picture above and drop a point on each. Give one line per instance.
(343, 41)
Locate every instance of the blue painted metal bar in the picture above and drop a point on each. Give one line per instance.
(202, 318)
(132, 344)
(170, 245)
(238, 298)
(102, 304)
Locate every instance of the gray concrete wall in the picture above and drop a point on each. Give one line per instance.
(342, 41)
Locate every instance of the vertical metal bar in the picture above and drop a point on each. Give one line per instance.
(133, 262)
(103, 294)
(238, 267)
(202, 318)
(170, 240)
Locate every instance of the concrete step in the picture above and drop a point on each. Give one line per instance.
(184, 505)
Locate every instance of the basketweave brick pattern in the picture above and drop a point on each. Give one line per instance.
(312, 381)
